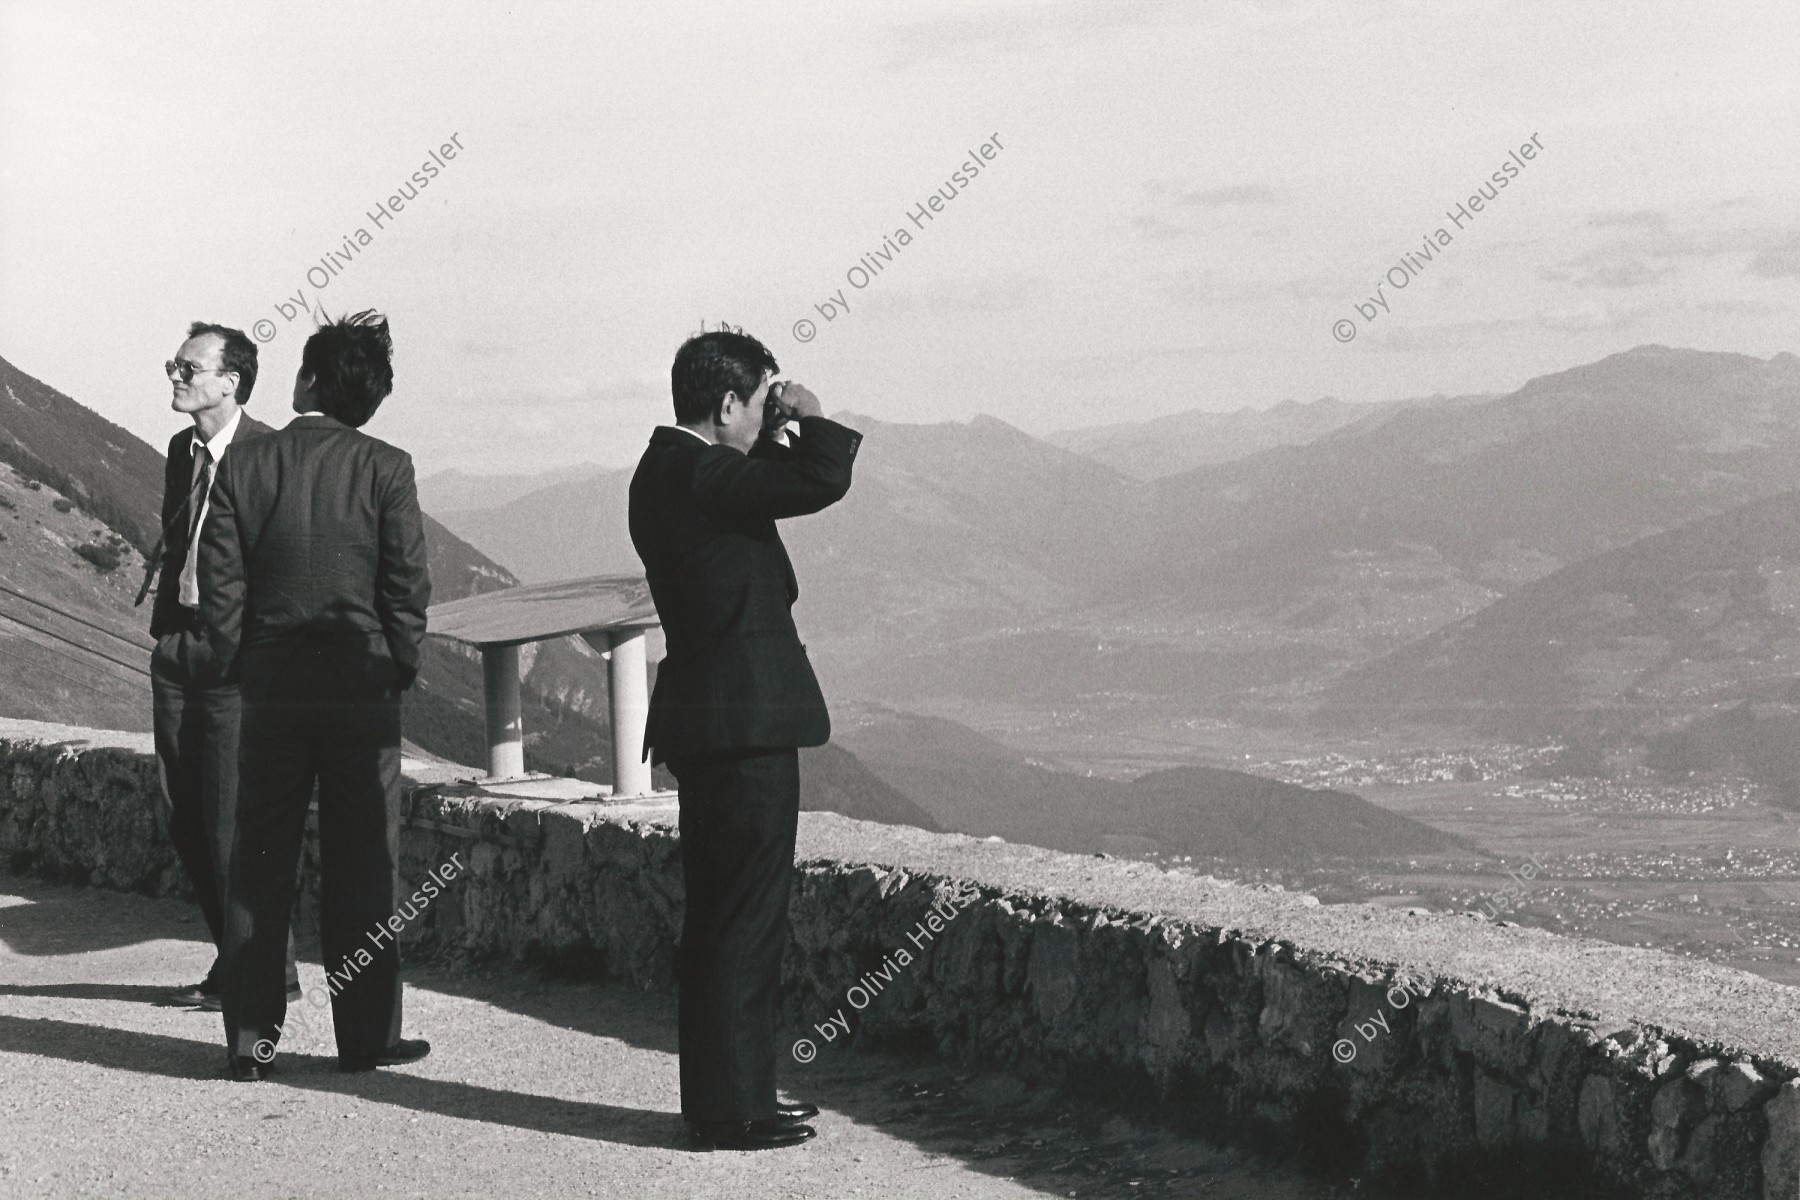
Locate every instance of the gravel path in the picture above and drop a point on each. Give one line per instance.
(533, 1089)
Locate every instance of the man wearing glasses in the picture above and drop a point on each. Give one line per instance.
(196, 722)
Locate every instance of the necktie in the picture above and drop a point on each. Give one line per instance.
(189, 594)
(197, 489)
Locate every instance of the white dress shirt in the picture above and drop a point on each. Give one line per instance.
(686, 430)
(190, 580)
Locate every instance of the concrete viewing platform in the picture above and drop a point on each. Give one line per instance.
(1378, 1046)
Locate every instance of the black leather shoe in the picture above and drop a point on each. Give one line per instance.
(244, 1068)
(793, 1114)
(213, 1002)
(771, 1134)
(192, 997)
(406, 1050)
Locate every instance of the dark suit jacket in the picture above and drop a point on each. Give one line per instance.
(703, 521)
(314, 535)
(178, 471)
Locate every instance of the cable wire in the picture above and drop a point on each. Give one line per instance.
(78, 620)
(88, 649)
(89, 684)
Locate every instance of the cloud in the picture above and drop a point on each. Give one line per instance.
(570, 394)
(1015, 30)
(1585, 318)
(1240, 193)
(1644, 218)
(1004, 294)
(1447, 336)
(1735, 308)
(1625, 273)
(1170, 216)
(1156, 229)
(1650, 251)
(1196, 287)
(1779, 261)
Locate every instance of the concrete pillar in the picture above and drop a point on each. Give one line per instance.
(505, 725)
(628, 677)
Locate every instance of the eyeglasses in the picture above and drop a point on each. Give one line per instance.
(186, 369)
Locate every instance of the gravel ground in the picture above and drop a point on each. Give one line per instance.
(534, 1088)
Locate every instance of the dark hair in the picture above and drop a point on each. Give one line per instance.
(238, 354)
(351, 364)
(710, 364)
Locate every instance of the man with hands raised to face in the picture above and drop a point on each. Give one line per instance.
(735, 697)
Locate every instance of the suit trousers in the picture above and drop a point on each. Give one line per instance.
(306, 720)
(739, 815)
(196, 731)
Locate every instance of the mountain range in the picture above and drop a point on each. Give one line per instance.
(973, 562)
(1181, 441)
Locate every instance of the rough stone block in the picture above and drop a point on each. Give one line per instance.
(1598, 1116)
(565, 847)
(484, 860)
(1677, 1106)
(1496, 1032)
(1496, 1105)
(1533, 1123)
(860, 883)
(1168, 1021)
(1781, 1148)
(1736, 1086)
(1055, 955)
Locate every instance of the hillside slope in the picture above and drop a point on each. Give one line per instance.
(1680, 622)
(111, 473)
(72, 649)
(975, 785)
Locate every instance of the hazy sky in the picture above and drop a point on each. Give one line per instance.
(1186, 198)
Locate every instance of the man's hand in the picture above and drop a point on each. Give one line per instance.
(796, 401)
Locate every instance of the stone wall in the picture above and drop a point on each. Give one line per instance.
(1424, 1047)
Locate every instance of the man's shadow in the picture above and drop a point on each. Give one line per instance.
(58, 919)
(128, 993)
(181, 1058)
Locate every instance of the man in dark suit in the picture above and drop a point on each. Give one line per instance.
(196, 725)
(314, 590)
(735, 696)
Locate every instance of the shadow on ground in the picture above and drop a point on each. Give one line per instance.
(1053, 1142)
(183, 1058)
